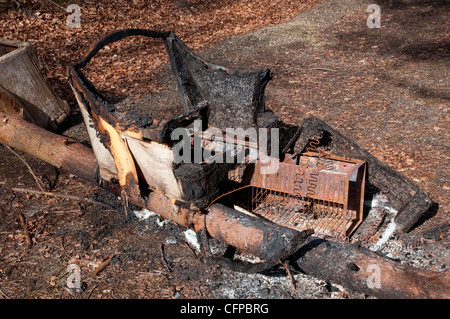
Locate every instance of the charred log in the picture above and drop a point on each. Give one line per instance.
(364, 271)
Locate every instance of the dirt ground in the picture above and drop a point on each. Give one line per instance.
(385, 88)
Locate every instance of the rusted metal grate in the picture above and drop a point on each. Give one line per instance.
(306, 192)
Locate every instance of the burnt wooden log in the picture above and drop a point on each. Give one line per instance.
(362, 270)
(248, 233)
(350, 266)
(59, 151)
(404, 195)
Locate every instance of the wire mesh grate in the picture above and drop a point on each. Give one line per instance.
(303, 194)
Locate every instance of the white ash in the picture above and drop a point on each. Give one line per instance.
(277, 285)
(380, 205)
(145, 214)
(192, 240)
(171, 240)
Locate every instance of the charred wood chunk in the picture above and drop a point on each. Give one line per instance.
(24, 89)
(362, 270)
(236, 95)
(200, 182)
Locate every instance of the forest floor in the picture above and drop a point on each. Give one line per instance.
(386, 88)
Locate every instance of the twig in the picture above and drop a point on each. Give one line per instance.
(190, 248)
(63, 275)
(25, 230)
(64, 248)
(61, 7)
(60, 272)
(38, 182)
(92, 290)
(161, 247)
(102, 266)
(77, 198)
(286, 267)
(320, 69)
(3, 295)
(64, 211)
(124, 196)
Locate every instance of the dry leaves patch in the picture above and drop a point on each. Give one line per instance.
(132, 65)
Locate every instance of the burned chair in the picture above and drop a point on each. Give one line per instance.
(317, 188)
(137, 148)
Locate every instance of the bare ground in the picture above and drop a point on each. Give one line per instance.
(385, 88)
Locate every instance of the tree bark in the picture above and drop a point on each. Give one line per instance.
(348, 265)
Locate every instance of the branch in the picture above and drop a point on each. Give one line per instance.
(77, 198)
(362, 270)
(38, 182)
(102, 266)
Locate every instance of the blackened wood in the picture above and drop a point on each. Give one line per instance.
(236, 95)
(362, 270)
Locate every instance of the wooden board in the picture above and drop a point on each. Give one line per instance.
(20, 75)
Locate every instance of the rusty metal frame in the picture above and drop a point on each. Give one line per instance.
(404, 195)
(305, 193)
